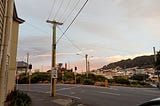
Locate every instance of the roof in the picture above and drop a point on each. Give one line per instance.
(15, 16)
(22, 64)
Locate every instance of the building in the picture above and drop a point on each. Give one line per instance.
(22, 67)
(9, 26)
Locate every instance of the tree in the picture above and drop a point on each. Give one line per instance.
(139, 77)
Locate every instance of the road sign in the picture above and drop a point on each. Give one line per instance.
(30, 72)
(54, 73)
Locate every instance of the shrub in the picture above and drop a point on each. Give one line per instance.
(139, 77)
(143, 83)
(11, 97)
(22, 99)
(78, 79)
(23, 80)
(111, 81)
(99, 84)
(68, 76)
(122, 81)
(88, 82)
(40, 77)
(16, 98)
(134, 82)
(100, 78)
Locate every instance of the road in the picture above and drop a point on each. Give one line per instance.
(101, 96)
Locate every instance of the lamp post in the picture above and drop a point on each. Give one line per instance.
(87, 63)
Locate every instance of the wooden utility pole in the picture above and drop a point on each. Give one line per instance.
(86, 56)
(53, 80)
(27, 63)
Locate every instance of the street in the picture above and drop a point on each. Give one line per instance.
(100, 96)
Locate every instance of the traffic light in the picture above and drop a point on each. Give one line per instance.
(30, 66)
(75, 68)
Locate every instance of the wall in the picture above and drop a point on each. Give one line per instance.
(13, 55)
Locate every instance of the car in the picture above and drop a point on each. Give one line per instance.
(153, 102)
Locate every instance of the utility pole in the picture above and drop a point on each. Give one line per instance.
(29, 76)
(88, 67)
(53, 80)
(155, 61)
(86, 56)
(27, 63)
(155, 58)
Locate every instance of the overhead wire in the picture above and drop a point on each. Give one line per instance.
(59, 8)
(71, 12)
(52, 8)
(73, 44)
(37, 27)
(65, 9)
(72, 21)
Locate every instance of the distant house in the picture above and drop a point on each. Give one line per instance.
(22, 67)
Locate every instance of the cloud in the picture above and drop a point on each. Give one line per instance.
(98, 62)
(109, 30)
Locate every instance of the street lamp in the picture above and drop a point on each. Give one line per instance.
(87, 63)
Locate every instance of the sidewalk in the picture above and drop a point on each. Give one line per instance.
(44, 99)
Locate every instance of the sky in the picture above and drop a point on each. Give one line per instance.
(106, 30)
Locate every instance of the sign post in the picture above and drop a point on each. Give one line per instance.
(29, 76)
(54, 76)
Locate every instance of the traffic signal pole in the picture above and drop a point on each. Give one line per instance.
(53, 80)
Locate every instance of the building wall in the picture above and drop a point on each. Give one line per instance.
(6, 23)
(13, 54)
(4, 6)
(9, 25)
(2, 14)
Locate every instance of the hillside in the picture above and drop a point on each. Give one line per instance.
(141, 62)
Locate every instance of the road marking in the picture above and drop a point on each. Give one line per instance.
(93, 86)
(67, 88)
(69, 96)
(113, 88)
(116, 94)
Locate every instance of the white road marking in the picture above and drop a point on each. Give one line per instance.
(67, 88)
(112, 88)
(116, 94)
(93, 86)
(69, 96)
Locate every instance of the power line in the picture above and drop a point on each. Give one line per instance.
(71, 11)
(73, 44)
(53, 5)
(58, 9)
(64, 12)
(72, 21)
(36, 27)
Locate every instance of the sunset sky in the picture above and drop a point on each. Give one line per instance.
(106, 30)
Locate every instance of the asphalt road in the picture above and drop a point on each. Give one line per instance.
(101, 96)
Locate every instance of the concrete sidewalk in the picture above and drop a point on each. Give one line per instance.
(44, 99)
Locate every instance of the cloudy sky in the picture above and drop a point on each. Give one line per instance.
(106, 30)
